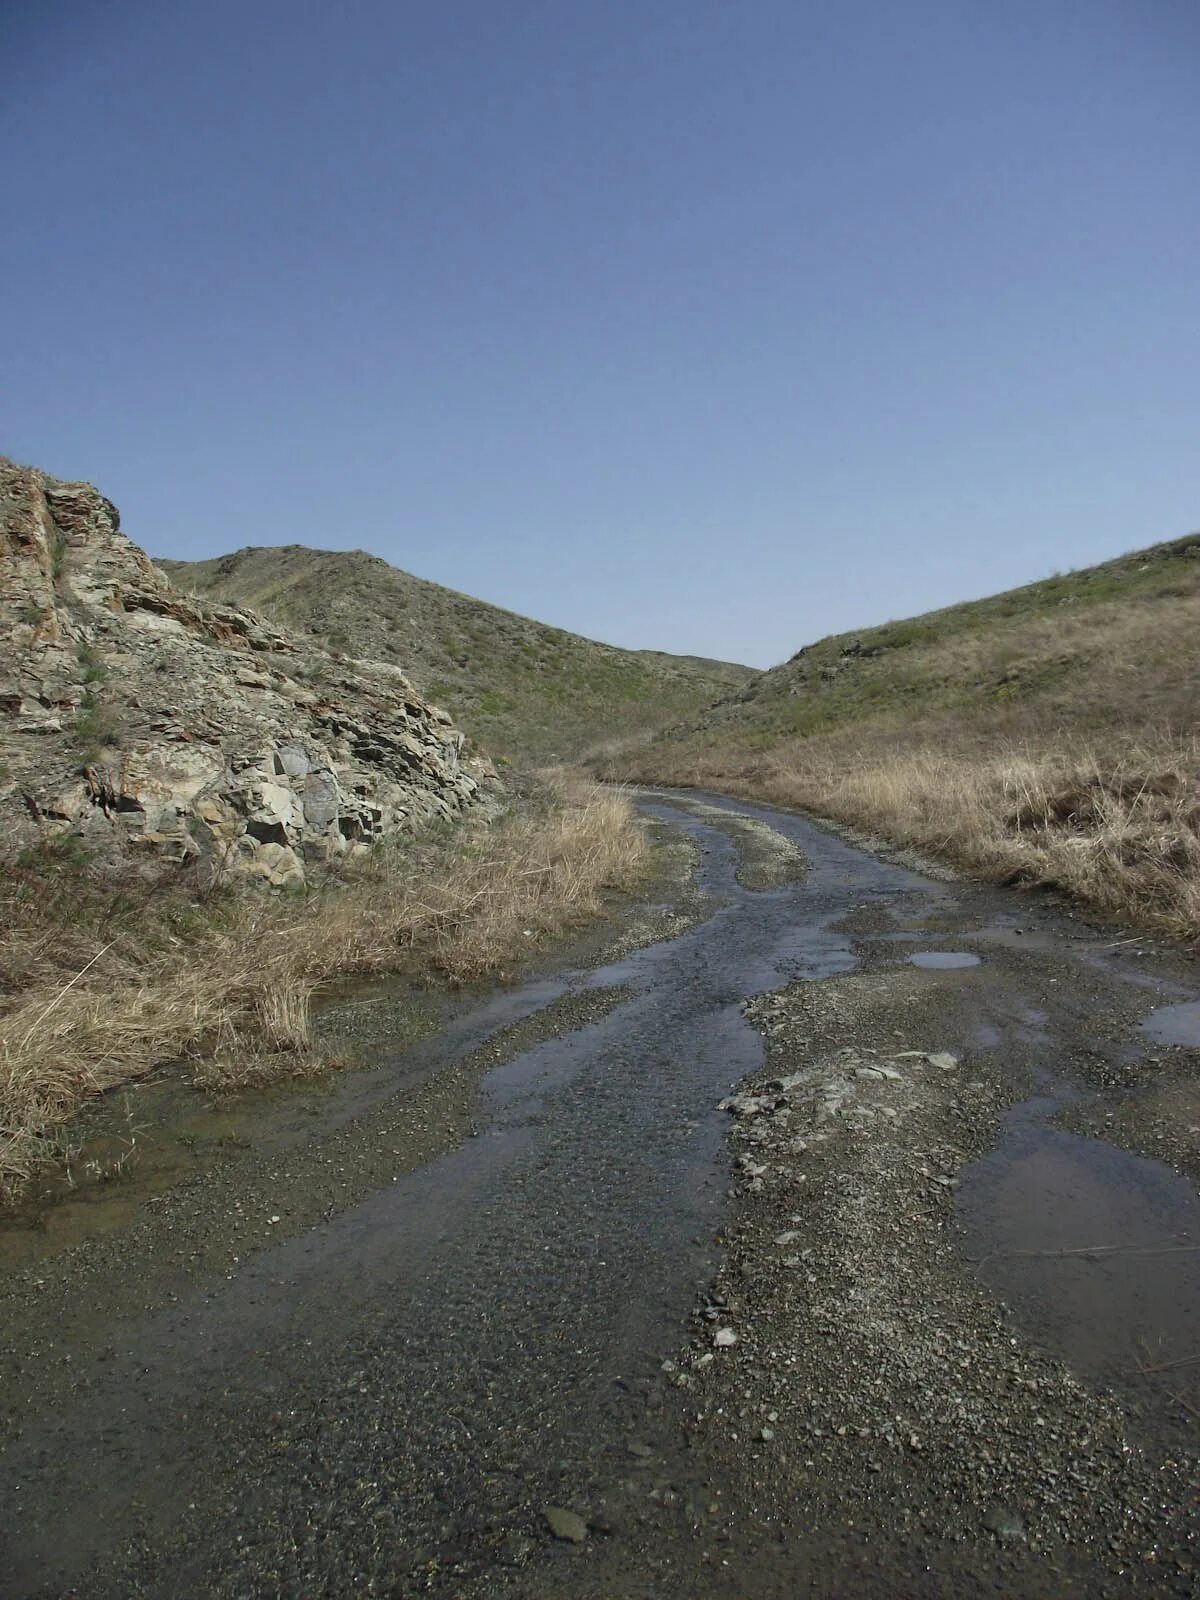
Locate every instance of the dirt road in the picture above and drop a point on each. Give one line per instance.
(843, 1241)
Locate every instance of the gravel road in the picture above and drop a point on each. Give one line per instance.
(755, 1260)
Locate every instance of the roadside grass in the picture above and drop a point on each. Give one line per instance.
(1048, 736)
(99, 983)
(1117, 826)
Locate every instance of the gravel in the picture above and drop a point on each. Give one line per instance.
(487, 1379)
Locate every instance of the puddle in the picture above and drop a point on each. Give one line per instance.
(1175, 1024)
(133, 1146)
(131, 1150)
(1097, 1251)
(940, 960)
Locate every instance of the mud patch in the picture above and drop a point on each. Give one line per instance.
(943, 960)
(87, 1257)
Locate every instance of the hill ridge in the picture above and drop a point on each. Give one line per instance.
(524, 689)
(1048, 734)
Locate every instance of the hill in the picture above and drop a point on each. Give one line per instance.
(147, 726)
(188, 797)
(1048, 734)
(524, 690)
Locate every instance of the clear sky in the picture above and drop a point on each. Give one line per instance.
(706, 326)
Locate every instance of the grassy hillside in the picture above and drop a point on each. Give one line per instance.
(1048, 734)
(523, 690)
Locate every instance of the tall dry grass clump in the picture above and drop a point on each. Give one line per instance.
(1047, 735)
(96, 987)
(1115, 823)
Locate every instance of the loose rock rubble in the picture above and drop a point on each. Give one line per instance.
(860, 1392)
(148, 723)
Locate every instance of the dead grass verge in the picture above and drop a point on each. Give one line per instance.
(1043, 736)
(1115, 823)
(97, 985)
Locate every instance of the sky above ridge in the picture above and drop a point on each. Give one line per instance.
(704, 327)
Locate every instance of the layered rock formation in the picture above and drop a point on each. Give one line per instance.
(151, 723)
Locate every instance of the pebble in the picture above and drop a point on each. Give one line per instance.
(568, 1525)
(1005, 1524)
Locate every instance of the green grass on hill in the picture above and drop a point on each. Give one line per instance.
(1103, 645)
(525, 691)
(1047, 734)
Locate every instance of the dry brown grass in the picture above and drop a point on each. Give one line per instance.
(96, 989)
(1045, 736)
(1116, 824)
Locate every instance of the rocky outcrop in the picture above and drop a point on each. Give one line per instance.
(148, 722)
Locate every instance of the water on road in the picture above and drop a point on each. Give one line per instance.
(386, 1401)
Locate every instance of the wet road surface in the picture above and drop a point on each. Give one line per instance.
(387, 1402)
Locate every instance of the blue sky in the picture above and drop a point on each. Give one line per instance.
(709, 327)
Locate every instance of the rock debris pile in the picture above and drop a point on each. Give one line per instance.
(846, 1373)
